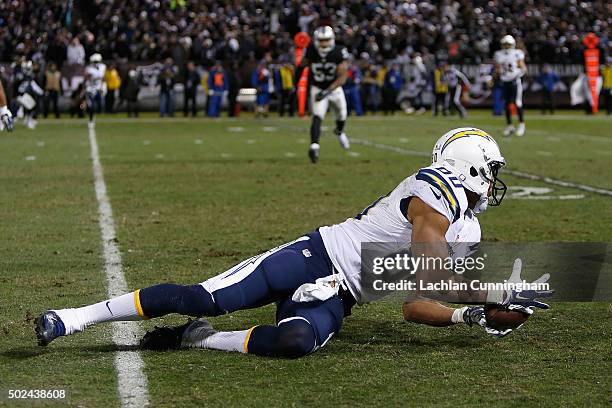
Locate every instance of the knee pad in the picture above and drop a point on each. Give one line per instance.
(292, 338)
(296, 338)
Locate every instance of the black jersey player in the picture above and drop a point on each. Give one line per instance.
(327, 74)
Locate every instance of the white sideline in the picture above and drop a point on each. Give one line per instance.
(515, 173)
(131, 379)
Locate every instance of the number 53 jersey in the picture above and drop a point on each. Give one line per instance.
(323, 69)
(385, 221)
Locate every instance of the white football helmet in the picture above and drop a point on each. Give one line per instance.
(324, 34)
(475, 158)
(509, 41)
(27, 67)
(95, 58)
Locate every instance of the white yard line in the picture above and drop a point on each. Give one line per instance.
(515, 173)
(131, 379)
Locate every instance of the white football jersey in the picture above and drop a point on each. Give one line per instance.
(95, 78)
(509, 62)
(384, 221)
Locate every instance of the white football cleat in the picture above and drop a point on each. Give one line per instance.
(344, 141)
(520, 131)
(509, 130)
(196, 333)
(30, 123)
(313, 152)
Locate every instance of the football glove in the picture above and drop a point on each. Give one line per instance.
(503, 333)
(6, 117)
(498, 333)
(525, 298)
(322, 95)
(476, 316)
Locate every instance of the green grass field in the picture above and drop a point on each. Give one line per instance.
(192, 197)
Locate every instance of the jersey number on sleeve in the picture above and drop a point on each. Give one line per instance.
(450, 176)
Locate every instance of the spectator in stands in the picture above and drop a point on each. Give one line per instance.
(130, 91)
(392, 85)
(284, 76)
(209, 30)
(352, 88)
(370, 89)
(415, 74)
(606, 89)
(233, 87)
(440, 88)
(75, 52)
(166, 81)
(260, 80)
(190, 92)
(53, 88)
(217, 86)
(548, 79)
(113, 83)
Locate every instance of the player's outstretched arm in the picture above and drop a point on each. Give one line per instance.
(432, 313)
(429, 229)
(6, 117)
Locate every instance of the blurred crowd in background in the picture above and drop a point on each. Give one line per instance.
(225, 46)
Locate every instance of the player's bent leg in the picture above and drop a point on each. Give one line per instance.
(302, 329)
(141, 304)
(315, 135)
(255, 282)
(338, 104)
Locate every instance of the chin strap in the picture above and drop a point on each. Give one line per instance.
(481, 205)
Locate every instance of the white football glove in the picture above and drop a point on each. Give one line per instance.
(6, 119)
(525, 298)
(476, 315)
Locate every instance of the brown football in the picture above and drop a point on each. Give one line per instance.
(500, 318)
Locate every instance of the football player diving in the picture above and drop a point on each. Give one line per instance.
(315, 280)
(327, 74)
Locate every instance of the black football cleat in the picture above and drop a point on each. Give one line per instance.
(48, 327)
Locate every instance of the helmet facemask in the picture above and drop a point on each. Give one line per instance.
(498, 187)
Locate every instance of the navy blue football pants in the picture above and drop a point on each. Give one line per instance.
(302, 327)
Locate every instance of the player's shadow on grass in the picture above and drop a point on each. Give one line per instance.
(24, 352)
(372, 332)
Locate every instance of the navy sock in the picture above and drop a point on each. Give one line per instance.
(168, 298)
(315, 129)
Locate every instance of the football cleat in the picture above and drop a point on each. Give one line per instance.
(164, 338)
(48, 327)
(344, 141)
(520, 131)
(313, 152)
(509, 130)
(196, 333)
